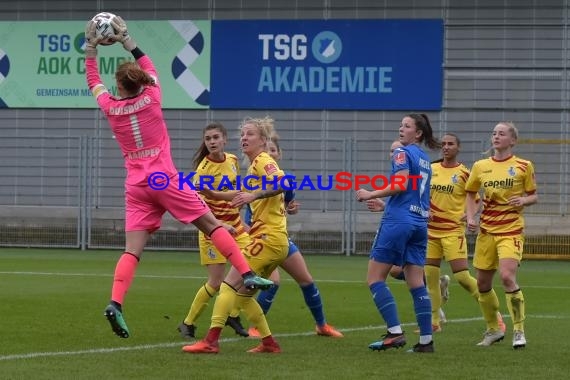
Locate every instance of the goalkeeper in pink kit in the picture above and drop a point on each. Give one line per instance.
(138, 124)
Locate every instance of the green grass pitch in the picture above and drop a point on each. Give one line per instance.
(52, 324)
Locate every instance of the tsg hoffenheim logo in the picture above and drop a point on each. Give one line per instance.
(327, 47)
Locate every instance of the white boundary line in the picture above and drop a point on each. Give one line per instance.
(62, 274)
(33, 355)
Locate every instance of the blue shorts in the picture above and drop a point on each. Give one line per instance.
(292, 248)
(400, 244)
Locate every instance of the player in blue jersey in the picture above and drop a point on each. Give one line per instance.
(402, 236)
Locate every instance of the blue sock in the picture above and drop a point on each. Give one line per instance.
(314, 302)
(385, 303)
(422, 307)
(265, 298)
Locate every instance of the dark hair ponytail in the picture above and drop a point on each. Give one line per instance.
(423, 124)
(203, 149)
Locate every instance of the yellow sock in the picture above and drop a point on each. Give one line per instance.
(515, 304)
(225, 302)
(254, 314)
(201, 300)
(467, 282)
(489, 304)
(432, 279)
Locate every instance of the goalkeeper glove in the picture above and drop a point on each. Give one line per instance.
(122, 34)
(91, 39)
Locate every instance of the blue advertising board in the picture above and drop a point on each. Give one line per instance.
(327, 64)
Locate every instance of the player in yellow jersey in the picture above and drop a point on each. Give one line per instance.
(446, 227)
(269, 246)
(214, 167)
(294, 265)
(508, 185)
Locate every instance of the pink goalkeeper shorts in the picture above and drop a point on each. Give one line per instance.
(145, 206)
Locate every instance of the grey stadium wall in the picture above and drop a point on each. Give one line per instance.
(62, 174)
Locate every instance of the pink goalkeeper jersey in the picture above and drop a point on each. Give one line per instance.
(137, 123)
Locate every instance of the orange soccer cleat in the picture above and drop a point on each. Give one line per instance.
(502, 325)
(328, 330)
(272, 348)
(253, 332)
(434, 329)
(202, 347)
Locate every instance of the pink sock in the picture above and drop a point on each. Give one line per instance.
(226, 244)
(124, 274)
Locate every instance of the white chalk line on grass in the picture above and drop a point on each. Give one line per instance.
(63, 274)
(33, 355)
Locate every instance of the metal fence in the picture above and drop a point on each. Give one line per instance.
(60, 191)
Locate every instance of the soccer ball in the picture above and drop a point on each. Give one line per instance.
(103, 27)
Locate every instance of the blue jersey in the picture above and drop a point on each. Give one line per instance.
(410, 206)
(247, 215)
(289, 196)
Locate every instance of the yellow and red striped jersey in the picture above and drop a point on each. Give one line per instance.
(226, 171)
(501, 180)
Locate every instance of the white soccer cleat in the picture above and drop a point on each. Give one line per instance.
(519, 341)
(490, 337)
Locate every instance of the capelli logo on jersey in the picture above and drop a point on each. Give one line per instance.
(446, 189)
(504, 184)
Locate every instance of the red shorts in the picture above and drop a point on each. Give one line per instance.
(145, 206)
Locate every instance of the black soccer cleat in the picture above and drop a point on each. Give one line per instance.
(235, 323)
(187, 331)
